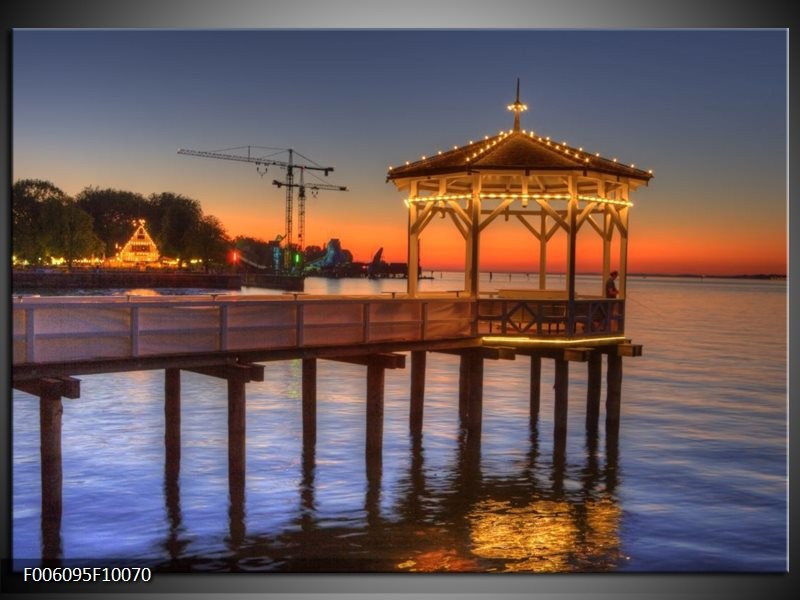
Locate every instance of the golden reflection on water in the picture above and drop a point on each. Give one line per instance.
(547, 536)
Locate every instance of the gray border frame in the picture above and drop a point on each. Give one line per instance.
(470, 14)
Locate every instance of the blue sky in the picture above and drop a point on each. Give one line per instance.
(705, 109)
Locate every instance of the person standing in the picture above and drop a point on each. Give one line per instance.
(611, 285)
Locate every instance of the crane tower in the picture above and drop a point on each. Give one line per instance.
(263, 162)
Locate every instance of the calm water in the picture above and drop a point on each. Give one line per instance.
(696, 482)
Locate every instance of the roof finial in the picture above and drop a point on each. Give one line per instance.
(517, 107)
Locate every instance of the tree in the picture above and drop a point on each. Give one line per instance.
(114, 213)
(209, 242)
(27, 199)
(174, 219)
(68, 232)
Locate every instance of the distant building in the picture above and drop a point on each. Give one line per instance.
(140, 249)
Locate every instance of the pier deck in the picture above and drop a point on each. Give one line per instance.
(123, 332)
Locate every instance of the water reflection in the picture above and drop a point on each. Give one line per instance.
(461, 520)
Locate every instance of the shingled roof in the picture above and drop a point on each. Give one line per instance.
(514, 151)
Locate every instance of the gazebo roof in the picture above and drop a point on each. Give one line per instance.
(515, 151)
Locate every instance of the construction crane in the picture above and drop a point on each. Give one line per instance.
(263, 162)
(301, 199)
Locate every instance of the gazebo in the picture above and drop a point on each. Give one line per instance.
(548, 186)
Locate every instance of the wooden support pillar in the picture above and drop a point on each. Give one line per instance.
(470, 391)
(50, 390)
(236, 439)
(613, 393)
(463, 389)
(594, 369)
(374, 444)
(418, 364)
(236, 375)
(561, 393)
(50, 413)
(475, 406)
(172, 423)
(536, 388)
(309, 402)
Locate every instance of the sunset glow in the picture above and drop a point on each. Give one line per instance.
(115, 118)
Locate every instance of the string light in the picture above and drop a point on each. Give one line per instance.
(439, 198)
(502, 134)
(545, 342)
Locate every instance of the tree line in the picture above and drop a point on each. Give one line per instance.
(49, 224)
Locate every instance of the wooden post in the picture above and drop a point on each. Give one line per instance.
(613, 393)
(475, 407)
(374, 442)
(418, 363)
(236, 455)
(594, 367)
(50, 412)
(536, 388)
(172, 422)
(309, 401)
(472, 260)
(463, 389)
(561, 389)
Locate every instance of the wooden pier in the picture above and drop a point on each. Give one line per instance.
(55, 340)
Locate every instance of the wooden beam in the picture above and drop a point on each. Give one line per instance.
(247, 372)
(495, 213)
(629, 349)
(529, 227)
(554, 214)
(488, 352)
(61, 386)
(458, 210)
(577, 354)
(387, 360)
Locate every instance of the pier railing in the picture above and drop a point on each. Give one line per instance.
(547, 317)
(71, 329)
